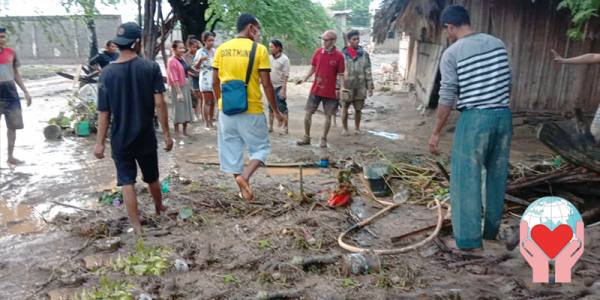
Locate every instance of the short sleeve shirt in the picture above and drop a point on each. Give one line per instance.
(126, 90)
(8, 90)
(232, 59)
(280, 69)
(327, 64)
(205, 69)
(104, 58)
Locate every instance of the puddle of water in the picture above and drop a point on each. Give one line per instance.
(388, 135)
(64, 171)
(19, 219)
(293, 171)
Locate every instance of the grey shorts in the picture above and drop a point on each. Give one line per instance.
(356, 97)
(330, 106)
(12, 114)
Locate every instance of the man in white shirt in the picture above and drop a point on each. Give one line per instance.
(280, 71)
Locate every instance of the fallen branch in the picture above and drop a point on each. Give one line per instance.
(72, 206)
(516, 200)
(306, 262)
(271, 165)
(288, 294)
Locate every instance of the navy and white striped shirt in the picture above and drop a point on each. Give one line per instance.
(476, 73)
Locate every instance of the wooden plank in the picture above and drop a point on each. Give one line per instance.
(574, 146)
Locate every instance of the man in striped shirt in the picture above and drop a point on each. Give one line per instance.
(476, 78)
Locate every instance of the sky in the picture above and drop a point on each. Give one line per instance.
(127, 10)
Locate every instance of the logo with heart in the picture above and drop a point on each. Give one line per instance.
(551, 232)
(551, 242)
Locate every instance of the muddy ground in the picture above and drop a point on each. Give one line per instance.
(236, 250)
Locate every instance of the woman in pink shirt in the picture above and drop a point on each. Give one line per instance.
(181, 93)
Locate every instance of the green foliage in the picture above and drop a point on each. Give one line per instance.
(108, 197)
(264, 245)
(441, 193)
(185, 213)
(88, 7)
(349, 283)
(62, 121)
(145, 261)
(231, 279)
(581, 12)
(360, 11)
(108, 290)
(295, 22)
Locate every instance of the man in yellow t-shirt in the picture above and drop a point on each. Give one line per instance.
(247, 129)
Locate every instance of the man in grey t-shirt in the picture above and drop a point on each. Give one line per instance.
(476, 78)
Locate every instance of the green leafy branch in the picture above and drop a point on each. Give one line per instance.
(581, 12)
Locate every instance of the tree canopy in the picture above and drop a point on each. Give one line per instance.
(296, 22)
(360, 11)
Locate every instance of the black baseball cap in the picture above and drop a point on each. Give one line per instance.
(127, 34)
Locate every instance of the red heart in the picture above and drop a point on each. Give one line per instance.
(551, 242)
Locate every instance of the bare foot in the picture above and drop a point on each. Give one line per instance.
(14, 161)
(244, 188)
(160, 209)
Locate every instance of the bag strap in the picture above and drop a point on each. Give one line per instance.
(251, 62)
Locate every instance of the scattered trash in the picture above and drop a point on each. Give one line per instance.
(144, 297)
(82, 128)
(165, 185)
(324, 162)
(343, 194)
(185, 213)
(401, 196)
(52, 132)
(388, 135)
(181, 265)
(375, 174)
(360, 263)
(111, 197)
(108, 244)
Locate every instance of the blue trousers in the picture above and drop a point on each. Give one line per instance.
(481, 142)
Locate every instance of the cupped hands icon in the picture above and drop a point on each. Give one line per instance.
(539, 261)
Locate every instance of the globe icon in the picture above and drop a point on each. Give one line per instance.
(552, 212)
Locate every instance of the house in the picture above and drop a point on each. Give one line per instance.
(529, 28)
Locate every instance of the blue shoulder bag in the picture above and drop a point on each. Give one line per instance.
(234, 93)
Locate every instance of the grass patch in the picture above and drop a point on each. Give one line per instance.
(145, 261)
(108, 290)
(349, 283)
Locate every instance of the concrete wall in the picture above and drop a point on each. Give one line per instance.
(56, 39)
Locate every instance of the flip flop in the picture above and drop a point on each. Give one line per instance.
(244, 188)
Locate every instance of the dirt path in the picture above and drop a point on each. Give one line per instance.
(236, 250)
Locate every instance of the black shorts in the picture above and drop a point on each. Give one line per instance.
(127, 168)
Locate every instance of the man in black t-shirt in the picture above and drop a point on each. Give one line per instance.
(129, 91)
(105, 57)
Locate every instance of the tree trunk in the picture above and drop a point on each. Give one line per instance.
(139, 7)
(89, 12)
(191, 16)
(149, 30)
(92, 36)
